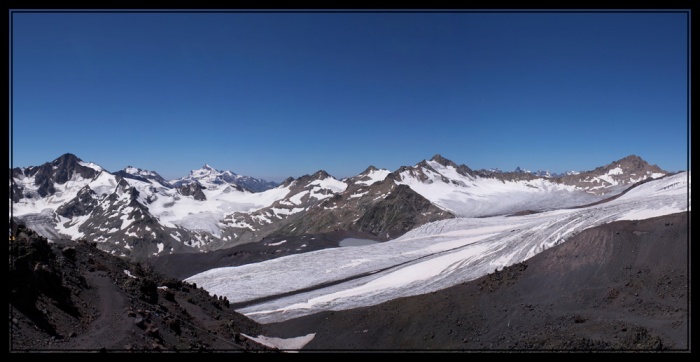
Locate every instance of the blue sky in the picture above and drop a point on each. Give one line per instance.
(273, 95)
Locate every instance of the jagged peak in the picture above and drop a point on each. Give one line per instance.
(369, 169)
(66, 157)
(288, 181)
(321, 174)
(69, 155)
(443, 161)
(438, 158)
(631, 162)
(631, 158)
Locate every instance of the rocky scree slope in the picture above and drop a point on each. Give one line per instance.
(71, 296)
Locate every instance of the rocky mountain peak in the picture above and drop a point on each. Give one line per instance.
(630, 164)
(58, 171)
(142, 175)
(66, 160)
(288, 181)
(320, 175)
(369, 169)
(634, 162)
(443, 161)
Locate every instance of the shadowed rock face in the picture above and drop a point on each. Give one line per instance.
(383, 209)
(193, 189)
(398, 213)
(15, 190)
(81, 205)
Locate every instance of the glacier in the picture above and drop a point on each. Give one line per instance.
(429, 258)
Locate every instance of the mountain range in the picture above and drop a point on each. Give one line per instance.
(449, 258)
(136, 214)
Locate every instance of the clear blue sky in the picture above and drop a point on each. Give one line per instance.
(273, 95)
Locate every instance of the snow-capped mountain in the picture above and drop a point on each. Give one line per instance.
(210, 177)
(468, 193)
(143, 175)
(135, 213)
(370, 202)
(613, 177)
(132, 213)
(42, 181)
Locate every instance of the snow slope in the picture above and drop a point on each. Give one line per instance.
(474, 196)
(428, 258)
(173, 209)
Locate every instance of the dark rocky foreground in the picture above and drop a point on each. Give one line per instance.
(70, 296)
(624, 286)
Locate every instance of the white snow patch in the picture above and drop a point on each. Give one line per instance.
(330, 184)
(374, 176)
(261, 219)
(287, 211)
(615, 171)
(91, 165)
(354, 196)
(296, 199)
(279, 243)
(295, 343)
(160, 248)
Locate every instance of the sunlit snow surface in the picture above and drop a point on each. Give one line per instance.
(470, 196)
(283, 343)
(432, 257)
(374, 176)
